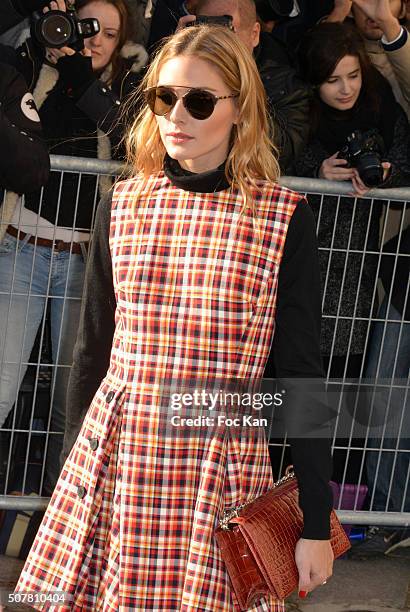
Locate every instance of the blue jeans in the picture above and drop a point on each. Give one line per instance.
(31, 277)
(388, 358)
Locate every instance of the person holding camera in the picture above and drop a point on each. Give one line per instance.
(359, 133)
(78, 94)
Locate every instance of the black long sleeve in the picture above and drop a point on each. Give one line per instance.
(295, 354)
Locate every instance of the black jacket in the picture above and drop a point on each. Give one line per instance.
(291, 30)
(70, 116)
(288, 98)
(24, 160)
(349, 230)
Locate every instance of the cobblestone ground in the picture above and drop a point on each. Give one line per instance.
(374, 584)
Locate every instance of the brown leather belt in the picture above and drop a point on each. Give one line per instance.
(58, 245)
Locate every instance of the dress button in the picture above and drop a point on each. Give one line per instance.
(81, 492)
(103, 89)
(93, 442)
(110, 396)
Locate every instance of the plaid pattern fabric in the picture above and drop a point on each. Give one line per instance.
(131, 521)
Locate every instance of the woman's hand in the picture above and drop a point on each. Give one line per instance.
(360, 188)
(55, 5)
(53, 55)
(314, 560)
(334, 169)
(341, 10)
(380, 12)
(183, 21)
(76, 70)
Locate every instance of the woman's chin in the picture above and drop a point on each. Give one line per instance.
(97, 65)
(178, 150)
(349, 104)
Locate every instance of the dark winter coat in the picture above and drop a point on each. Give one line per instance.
(75, 122)
(348, 231)
(24, 159)
(288, 99)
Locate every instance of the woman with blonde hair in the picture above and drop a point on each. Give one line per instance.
(198, 263)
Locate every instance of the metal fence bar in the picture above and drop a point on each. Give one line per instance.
(86, 165)
(388, 519)
(317, 187)
(304, 185)
(345, 516)
(322, 186)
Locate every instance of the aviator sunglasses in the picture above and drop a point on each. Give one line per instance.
(199, 103)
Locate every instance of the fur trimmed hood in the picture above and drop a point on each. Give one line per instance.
(136, 53)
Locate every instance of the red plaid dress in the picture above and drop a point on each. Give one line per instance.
(131, 521)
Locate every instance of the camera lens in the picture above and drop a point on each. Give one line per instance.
(370, 169)
(56, 30)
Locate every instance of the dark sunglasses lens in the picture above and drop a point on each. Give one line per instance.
(160, 100)
(200, 104)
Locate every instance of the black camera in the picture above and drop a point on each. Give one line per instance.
(223, 20)
(56, 29)
(364, 151)
(274, 10)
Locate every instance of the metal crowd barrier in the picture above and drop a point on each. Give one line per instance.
(21, 434)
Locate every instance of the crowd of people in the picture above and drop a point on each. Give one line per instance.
(337, 82)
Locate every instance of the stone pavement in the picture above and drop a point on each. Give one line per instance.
(377, 583)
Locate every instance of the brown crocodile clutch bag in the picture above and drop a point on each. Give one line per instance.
(258, 541)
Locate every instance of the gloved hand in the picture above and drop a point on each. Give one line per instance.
(76, 71)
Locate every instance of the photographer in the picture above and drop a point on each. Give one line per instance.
(288, 96)
(78, 95)
(350, 95)
(24, 158)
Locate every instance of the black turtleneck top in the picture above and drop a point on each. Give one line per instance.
(295, 349)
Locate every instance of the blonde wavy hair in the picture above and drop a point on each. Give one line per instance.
(252, 154)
